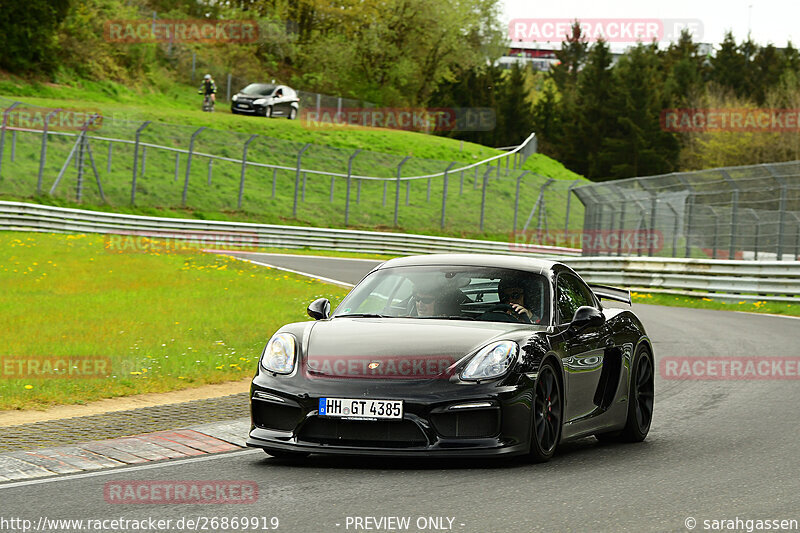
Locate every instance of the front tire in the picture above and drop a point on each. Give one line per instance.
(268, 112)
(292, 114)
(548, 412)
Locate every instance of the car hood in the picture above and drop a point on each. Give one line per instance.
(398, 347)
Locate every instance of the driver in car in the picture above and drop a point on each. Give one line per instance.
(511, 308)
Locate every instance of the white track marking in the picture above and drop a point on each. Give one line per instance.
(307, 274)
(122, 470)
(315, 256)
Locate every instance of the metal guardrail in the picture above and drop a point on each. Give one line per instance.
(719, 279)
(18, 216)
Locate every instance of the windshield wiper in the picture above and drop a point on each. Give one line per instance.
(363, 315)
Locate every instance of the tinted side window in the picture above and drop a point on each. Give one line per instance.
(570, 295)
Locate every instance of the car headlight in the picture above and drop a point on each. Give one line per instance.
(260, 101)
(235, 97)
(491, 361)
(280, 354)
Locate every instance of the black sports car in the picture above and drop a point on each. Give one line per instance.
(266, 100)
(456, 355)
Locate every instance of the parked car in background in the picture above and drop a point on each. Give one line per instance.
(266, 100)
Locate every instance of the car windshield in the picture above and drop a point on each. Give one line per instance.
(450, 292)
(258, 89)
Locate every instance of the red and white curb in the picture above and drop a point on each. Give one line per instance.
(206, 439)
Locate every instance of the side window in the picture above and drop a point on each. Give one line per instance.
(570, 295)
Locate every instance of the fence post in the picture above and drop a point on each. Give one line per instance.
(674, 230)
(297, 177)
(318, 102)
(621, 227)
(428, 195)
(543, 209)
(483, 192)
(566, 218)
(781, 217)
(333, 184)
(177, 166)
(444, 192)
(110, 155)
(347, 194)
(385, 185)
(210, 169)
(91, 160)
(461, 185)
(189, 165)
(796, 236)
(397, 190)
(689, 214)
(274, 179)
(244, 166)
(43, 156)
(194, 64)
(516, 199)
(756, 234)
(3, 132)
(735, 198)
(228, 94)
(136, 161)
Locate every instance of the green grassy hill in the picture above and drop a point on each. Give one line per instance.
(159, 191)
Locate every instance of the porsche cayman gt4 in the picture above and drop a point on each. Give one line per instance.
(456, 355)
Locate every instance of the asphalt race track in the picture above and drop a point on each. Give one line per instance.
(716, 450)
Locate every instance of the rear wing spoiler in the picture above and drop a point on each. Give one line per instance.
(604, 292)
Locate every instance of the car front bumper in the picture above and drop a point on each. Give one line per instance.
(286, 418)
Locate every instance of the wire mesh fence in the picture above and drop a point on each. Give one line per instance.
(95, 160)
(748, 212)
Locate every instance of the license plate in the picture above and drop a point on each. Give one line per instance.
(361, 409)
(242, 105)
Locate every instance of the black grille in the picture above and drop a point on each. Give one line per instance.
(275, 416)
(399, 434)
(473, 423)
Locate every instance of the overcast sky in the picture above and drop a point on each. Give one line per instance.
(775, 21)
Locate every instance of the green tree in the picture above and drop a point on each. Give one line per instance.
(592, 118)
(28, 34)
(515, 108)
(639, 146)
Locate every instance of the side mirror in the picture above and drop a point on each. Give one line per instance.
(586, 316)
(319, 309)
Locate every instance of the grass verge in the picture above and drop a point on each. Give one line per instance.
(761, 306)
(164, 321)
